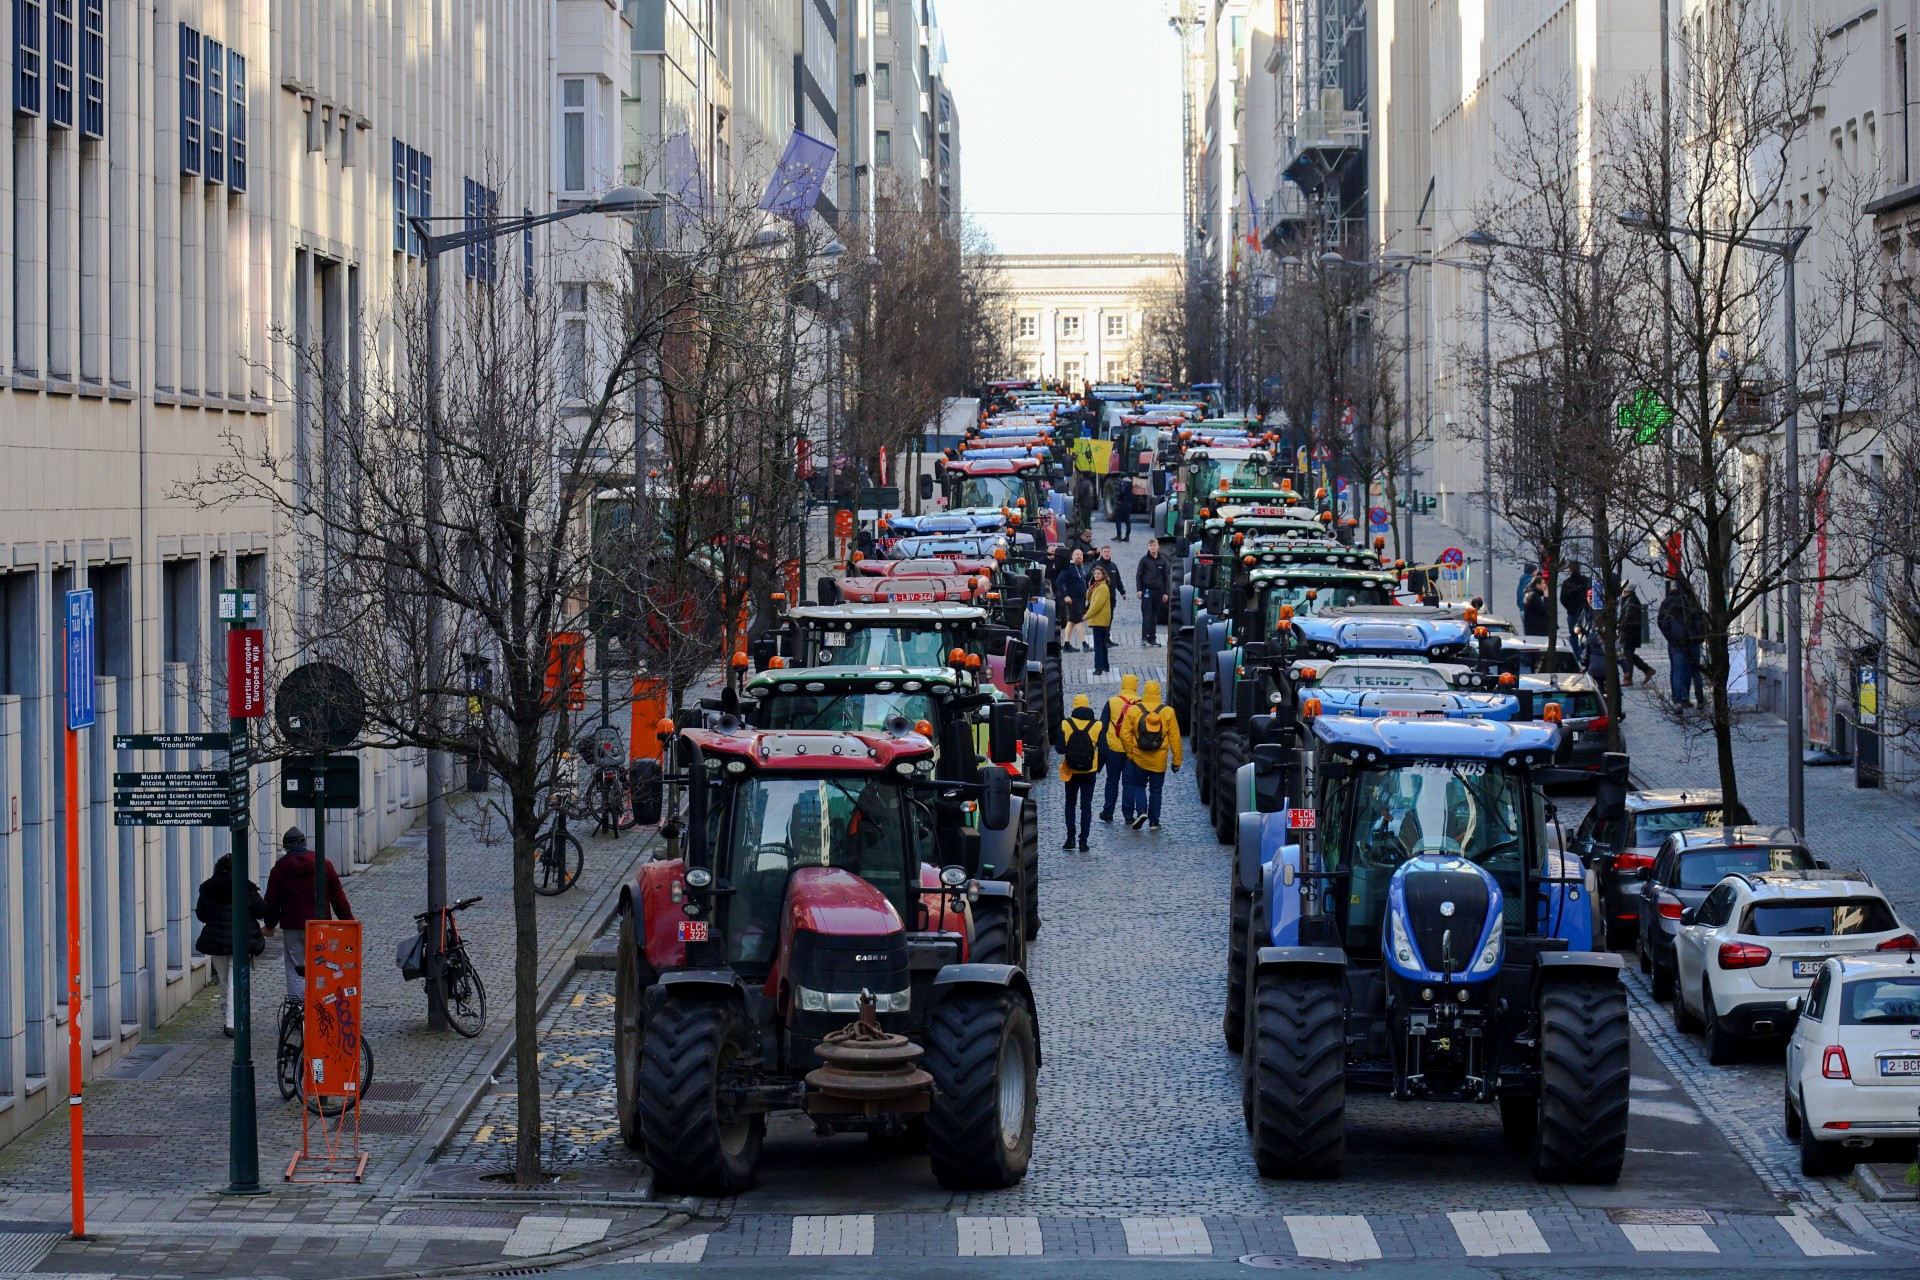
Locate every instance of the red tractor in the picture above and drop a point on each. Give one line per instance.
(824, 946)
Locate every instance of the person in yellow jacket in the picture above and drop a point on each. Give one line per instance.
(1100, 615)
(1078, 742)
(1150, 733)
(1114, 752)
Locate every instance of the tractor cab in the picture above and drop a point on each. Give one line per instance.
(920, 634)
(992, 491)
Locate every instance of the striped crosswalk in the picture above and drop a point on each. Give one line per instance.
(1346, 1238)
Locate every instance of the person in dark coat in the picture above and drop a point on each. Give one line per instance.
(1683, 626)
(1153, 579)
(1633, 625)
(1574, 589)
(1533, 608)
(289, 903)
(214, 910)
(1070, 600)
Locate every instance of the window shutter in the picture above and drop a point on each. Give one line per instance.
(60, 116)
(214, 80)
(26, 57)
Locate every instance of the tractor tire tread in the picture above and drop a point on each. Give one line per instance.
(1585, 1070)
(679, 1119)
(963, 1056)
(1298, 1076)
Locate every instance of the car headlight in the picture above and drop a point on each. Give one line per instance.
(811, 1001)
(1489, 955)
(1402, 948)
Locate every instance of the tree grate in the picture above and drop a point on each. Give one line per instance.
(1660, 1217)
(393, 1090)
(396, 1122)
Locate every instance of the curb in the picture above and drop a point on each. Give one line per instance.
(1857, 1223)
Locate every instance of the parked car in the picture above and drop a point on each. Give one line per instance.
(1757, 942)
(1690, 863)
(1583, 715)
(1853, 1064)
(1620, 851)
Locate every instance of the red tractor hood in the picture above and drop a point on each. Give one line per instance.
(832, 900)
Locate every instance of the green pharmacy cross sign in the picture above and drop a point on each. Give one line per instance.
(1645, 416)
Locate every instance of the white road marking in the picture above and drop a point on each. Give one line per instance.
(1000, 1237)
(1166, 1235)
(1343, 1237)
(1488, 1235)
(1678, 1112)
(692, 1249)
(540, 1234)
(1647, 1084)
(1811, 1242)
(1650, 1239)
(834, 1235)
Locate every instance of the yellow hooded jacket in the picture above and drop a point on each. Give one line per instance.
(1117, 708)
(1081, 715)
(1169, 752)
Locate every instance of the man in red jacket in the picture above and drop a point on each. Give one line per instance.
(290, 903)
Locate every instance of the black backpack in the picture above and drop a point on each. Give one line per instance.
(1149, 737)
(1079, 752)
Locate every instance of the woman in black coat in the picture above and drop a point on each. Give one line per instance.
(214, 910)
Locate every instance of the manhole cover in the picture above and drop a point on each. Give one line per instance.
(455, 1218)
(391, 1123)
(392, 1090)
(1660, 1217)
(121, 1142)
(1293, 1262)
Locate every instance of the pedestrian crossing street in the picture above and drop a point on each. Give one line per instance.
(1335, 1237)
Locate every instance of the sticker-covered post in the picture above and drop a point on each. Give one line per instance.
(79, 673)
(246, 700)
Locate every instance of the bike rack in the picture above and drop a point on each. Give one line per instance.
(330, 1056)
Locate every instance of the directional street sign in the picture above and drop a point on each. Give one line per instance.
(79, 659)
(172, 818)
(169, 742)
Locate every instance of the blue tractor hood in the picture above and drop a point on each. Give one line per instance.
(1009, 451)
(1332, 634)
(1519, 742)
(1413, 704)
(1443, 921)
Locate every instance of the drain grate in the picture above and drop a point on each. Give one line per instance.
(1293, 1262)
(393, 1090)
(455, 1218)
(1660, 1217)
(121, 1141)
(396, 1122)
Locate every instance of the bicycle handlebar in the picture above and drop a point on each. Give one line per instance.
(423, 916)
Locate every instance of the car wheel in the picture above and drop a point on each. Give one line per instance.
(1821, 1159)
(1642, 949)
(1683, 1019)
(1723, 1048)
(1663, 984)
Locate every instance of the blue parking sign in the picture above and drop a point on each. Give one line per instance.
(79, 659)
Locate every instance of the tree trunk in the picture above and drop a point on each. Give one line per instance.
(526, 996)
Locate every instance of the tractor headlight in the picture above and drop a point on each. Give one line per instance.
(811, 1001)
(1402, 948)
(1489, 956)
(699, 877)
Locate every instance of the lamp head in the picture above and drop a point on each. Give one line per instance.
(1481, 238)
(626, 199)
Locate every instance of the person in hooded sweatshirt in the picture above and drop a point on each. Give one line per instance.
(1114, 754)
(1151, 735)
(1078, 742)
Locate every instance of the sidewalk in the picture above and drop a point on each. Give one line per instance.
(157, 1130)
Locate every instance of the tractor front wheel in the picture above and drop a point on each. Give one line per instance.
(984, 1058)
(1584, 1074)
(1033, 707)
(1054, 685)
(694, 1145)
(1297, 1076)
(996, 932)
(1201, 753)
(1233, 1026)
(1229, 753)
(1028, 852)
(632, 976)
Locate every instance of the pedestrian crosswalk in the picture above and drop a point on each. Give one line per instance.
(1346, 1238)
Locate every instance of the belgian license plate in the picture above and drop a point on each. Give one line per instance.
(914, 595)
(1900, 1066)
(693, 931)
(1808, 969)
(833, 639)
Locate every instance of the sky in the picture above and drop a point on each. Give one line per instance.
(1069, 122)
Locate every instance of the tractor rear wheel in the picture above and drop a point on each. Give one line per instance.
(1180, 680)
(984, 1058)
(1297, 1081)
(694, 1146)
(632, 976)
(996, 932)
(1584, 1074)
(1033, 709)
(1229, 753)
(1054, 685)
(1028, 852)
(1233, 1026)
(1202, 756)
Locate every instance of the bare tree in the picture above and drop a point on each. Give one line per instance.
(1160, 346)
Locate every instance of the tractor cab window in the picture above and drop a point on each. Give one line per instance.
(986, 491)
(1470, 808)
(882, 647)
(846, 712)
(782, 824)
(1336, 595)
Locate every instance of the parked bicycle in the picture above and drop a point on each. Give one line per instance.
(559, 857)
(461, 991)
(288, 1060)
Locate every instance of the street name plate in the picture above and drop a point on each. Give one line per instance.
(170, 742)
(172, 818)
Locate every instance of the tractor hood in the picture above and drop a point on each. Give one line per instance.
(1412, 703)
(834, 901)
(1329, 635)
(1527, 741)
(951, 523)
(1443, 920)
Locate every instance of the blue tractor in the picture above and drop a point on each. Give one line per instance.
(1414, 930)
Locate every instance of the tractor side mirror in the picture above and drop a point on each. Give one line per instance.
(1016, 666)
(1270, 755)
(926, 488)
(1490, 647)
(1610, 796)
(1003, 733)
(996, 802)
(1202, 575)
(762, 651)
(828, 589)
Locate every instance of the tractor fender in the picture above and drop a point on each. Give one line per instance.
(1251, 849)
(989, 977)
(1184, 603)
(1226, 661)
(708, 983)
(1577, 966)
(1216, 635)
(1283, 900)
(1313, 962)
(999, 849)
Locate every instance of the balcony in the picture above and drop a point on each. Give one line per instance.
(1314, 143)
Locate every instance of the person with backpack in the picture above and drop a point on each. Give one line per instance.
(1151, 735)
(214, 910)
(1078, 742)
(1114, 751)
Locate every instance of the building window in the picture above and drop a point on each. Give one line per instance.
(190, 140)
(526, 256)
(1069, 326)
(482, 207)
(1070, 370)
(1116, 371)
(93, 69)
(412, 197)
(215, 81)
(883, 148)
(26, 59)
(237, 122)
(1116, 326)
(573, 134)
(61, 42)
(882, 82)
(573, 343)
(1029, 327)
(883, 18)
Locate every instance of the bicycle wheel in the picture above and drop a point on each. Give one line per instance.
(465, 995)
(559, 864)
(286, 1060)
(330, 1105)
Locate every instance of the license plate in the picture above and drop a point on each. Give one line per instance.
(1810, 969)
(1900, 1066)
(833, 639)
(913, 595)
(693, 931)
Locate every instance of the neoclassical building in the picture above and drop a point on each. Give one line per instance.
(1077, 315)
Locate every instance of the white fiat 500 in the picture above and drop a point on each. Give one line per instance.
(1853, 1064)
(1756, 943)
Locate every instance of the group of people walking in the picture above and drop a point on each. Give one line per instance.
(1087, 585)
(1133, 742)
(1681, 622)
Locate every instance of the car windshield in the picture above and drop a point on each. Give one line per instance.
(1649, 829)
(1239, 473)
(1837, 917)
(1334, 595)
(780, 824)
(845, 711)
(882, 647)
(1573, 705)
(987, 491)
(1705, 868)
(1886, 1002)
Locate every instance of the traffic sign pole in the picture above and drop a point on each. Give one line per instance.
(79, 716)
(248, 679)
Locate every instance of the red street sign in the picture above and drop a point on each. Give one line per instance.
(1303, 819)
(246, 673)
(1453, 557)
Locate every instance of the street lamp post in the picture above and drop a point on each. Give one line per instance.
(477, 231)
(1787, 250)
